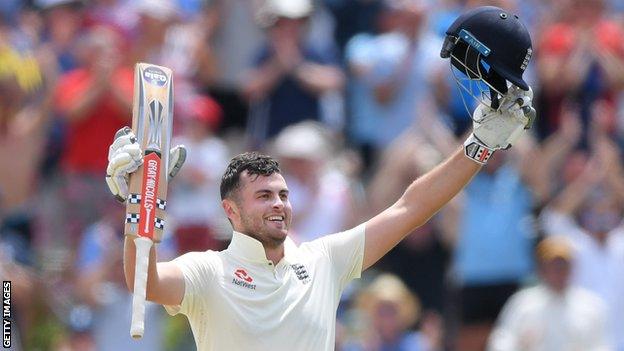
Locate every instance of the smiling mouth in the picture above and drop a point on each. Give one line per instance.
(278, 219)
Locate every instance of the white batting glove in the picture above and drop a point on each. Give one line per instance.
(125, 156)
(499, 129)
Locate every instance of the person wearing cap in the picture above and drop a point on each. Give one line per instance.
(194, 196)
(291, 75)
(588, 211)
(389, 311)
(554, 314)
(320, 192)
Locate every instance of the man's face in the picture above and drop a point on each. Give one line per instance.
(263, 209)
(556, 273)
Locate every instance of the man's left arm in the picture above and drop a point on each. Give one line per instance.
(493, 129)
(422, 199)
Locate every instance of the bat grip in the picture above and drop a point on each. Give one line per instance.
(143, 246)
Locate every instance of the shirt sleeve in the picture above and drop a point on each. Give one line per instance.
(346, 253)
(198, 270)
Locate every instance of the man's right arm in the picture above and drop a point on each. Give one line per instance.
(165, 281)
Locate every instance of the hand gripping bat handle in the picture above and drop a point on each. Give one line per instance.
(143, 246)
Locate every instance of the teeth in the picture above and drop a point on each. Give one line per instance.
(276, 218)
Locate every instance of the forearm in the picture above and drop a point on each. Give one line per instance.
(422, 199)
(130, 263)
(319, 79)
(556, 148)
(426, 195)
(571, 198)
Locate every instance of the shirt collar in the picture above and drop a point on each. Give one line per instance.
(244, 246)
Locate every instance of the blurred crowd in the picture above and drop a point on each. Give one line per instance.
(354, 100)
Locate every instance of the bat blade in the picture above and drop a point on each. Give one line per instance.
(152, 119)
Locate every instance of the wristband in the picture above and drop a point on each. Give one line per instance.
(475, 150)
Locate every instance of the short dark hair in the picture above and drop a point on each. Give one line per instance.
(252, 162)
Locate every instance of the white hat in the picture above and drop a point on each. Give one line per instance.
(289, 8)
(304, 140)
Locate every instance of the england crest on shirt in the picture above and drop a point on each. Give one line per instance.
(301, 272)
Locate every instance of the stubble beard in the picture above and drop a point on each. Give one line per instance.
(260, 233)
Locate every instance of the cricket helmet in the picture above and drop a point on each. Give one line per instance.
(488, 45)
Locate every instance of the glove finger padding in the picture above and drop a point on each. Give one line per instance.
(499, 129)
(516, 99)
(124, 157)
(177, 156)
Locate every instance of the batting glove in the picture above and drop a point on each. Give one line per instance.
(500, 128)
(125, 156)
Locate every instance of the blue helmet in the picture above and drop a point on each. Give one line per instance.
(489, 44)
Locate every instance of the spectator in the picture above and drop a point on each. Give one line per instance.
(553, 315)
(121, 15)
(392, 73)
(353, 17)
(233, 44)
(95, 102)
(194, 199)
(23, 124)
(422, 258)
(390, 310)
(290, 76)
(319, 191)
(580, 59)
(588, 211)
(156, 17)
(492, 253)
(63, 23)
(101, 286)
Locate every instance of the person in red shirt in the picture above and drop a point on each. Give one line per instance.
(580, 62)
(94, 100)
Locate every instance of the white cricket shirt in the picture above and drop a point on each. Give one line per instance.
(237, 299)
(537, 319)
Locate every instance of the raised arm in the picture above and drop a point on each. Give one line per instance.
(165, 281)
(422, 199)
(493, 130)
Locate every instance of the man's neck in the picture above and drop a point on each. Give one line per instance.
(274, 254)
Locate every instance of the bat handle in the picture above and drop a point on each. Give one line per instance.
(143, 246)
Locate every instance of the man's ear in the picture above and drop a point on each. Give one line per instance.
(230, 208)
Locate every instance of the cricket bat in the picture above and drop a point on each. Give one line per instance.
(152, 118)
